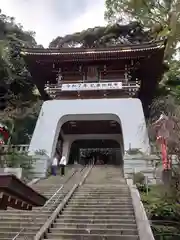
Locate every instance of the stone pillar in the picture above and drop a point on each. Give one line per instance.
(40, 165)
(66, 149)
(166, 176)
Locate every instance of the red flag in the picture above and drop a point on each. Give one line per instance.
(164, 155)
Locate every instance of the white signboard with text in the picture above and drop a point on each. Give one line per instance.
(91, 86)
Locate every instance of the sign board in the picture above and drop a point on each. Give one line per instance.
(92, 86)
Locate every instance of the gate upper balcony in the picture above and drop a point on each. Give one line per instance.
(116, 71)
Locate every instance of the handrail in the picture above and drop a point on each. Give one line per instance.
(34, 218)
(54, 215)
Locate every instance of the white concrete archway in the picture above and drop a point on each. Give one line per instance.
(128, 112)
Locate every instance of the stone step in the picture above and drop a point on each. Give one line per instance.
(1, 238)
(104, 189)
(12, 220)
(21, 218)
(29, 213)
(18, 224)
(92, 237)
(91, 216)
(102, 198)
(23, 212)
(50, 195)
(99, 208)
(102, 195)
(12, 234)
(95, 226)
(56, 232)
(97, 213)
(17, 229)
(105, 186)
(111, 181)
(95, 221)
(102, 202)
(13, 214)
(97, 205)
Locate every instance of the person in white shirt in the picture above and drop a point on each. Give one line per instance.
(62, 165)
(54, 165)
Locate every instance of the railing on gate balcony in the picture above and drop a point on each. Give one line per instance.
(116, 84)
(17, 148)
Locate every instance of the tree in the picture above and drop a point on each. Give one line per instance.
(110, 35)
(169, 106)
(17, 98)
(162, 17)
(15, 114)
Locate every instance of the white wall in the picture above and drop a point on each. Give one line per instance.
(128, 112)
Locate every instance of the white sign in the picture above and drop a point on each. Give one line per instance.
(91, 86)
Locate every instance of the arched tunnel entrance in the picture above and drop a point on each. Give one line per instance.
(92, 138)
(105, 151)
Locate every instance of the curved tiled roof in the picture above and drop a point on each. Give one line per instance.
(89, 51)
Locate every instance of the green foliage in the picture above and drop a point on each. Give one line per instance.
(16, 159)
(112, 34)
(166, 231)
(132, 151)
(162, 19)
(164, 210)
(163, 213)
(40, 152)
(20, 160)
(138, 178)
(143, 188)
(18, 103)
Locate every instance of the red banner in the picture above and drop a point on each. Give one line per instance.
(165, 160)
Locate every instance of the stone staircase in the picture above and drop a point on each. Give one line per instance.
(100, 209)
(28, 222)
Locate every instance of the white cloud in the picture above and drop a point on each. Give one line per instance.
(43, 17)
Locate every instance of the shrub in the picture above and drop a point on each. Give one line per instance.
(138, 178)
(132, 151)
(20, 160)
(164, 211)
(143, 188)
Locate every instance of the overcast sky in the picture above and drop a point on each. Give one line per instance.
(52, 18)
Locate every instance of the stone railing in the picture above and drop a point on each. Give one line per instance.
(39, 163)
(16, 148)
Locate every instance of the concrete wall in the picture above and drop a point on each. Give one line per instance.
(135, 165)
(40, 166)
(54, 113)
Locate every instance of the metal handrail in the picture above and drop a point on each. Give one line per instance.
(34, 218)
(54, 215)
